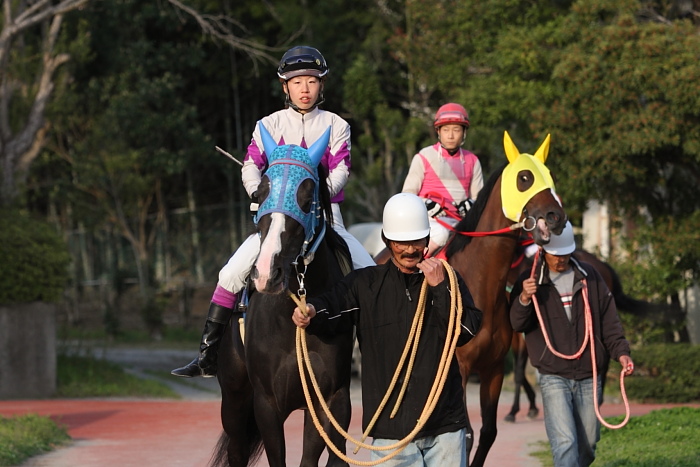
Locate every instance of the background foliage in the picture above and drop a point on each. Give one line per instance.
(126, 168)
(34, 257)
(663, 373)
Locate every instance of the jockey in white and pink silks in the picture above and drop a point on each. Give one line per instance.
(301, 71)
(445, 175)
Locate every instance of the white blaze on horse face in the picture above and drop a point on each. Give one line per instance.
(542, 223)
(544, 230)
(269, 250)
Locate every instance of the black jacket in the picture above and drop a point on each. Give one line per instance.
(567, 336)
(381, 301)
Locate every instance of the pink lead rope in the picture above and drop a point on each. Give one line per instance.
(588, 337)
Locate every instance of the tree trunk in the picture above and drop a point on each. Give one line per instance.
(194, 224)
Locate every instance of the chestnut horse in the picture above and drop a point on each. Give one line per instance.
(260, 383)
(520, 195)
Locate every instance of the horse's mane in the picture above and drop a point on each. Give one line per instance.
(324, 194)
(458, 242)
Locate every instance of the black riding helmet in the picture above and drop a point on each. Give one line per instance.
(302, 60)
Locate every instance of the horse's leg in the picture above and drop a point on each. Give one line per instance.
(314, 444)
(244, 442)
(520, 362)
(470, 430)
(515, 408)
(271, 424)
(239, 424)
(533, 411)
(490, 391)
(463, 360)
(341, 408)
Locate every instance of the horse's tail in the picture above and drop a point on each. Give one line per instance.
(255, 447)
(657, 312)
(255, 444)
(220, 456)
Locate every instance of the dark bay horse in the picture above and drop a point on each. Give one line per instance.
(260, 384)
(520, 195)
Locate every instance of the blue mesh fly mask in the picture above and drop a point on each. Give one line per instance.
(288, 166)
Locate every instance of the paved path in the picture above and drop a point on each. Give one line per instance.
(132, 432)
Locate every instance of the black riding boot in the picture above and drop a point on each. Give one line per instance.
(205, 364)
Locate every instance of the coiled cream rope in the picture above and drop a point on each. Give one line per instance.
(453, 332)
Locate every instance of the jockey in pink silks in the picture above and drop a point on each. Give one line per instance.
(445, 175)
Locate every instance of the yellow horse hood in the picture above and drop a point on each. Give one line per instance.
(514, 193)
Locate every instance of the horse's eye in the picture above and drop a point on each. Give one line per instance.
(263, 190)
(305, 195)
(525, 180)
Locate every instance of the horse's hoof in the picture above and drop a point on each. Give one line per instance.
(533, 413)
(510, 418)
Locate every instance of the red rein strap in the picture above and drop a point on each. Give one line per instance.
(439, 199)
(588, 337)
(443, 203)
(478, 234)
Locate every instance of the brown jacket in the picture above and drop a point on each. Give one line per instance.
(567, 336)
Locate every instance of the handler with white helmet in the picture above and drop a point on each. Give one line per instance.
(381, 301)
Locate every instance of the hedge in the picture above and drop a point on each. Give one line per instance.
(34, 259)
(663, 373)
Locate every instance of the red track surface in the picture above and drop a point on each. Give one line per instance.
(124, 433)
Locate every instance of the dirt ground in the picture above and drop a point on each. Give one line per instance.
(136, 432)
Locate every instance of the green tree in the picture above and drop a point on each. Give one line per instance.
(615, 83)
(29, 60)
(627, 112)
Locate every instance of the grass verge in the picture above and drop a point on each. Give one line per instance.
(662, 437)
(27, 435)
(89, 377)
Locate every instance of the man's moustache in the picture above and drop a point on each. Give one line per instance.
(413, 255)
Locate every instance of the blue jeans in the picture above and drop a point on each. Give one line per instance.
(445, 450)
(570, 420)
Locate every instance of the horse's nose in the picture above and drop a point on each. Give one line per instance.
(275, 275)
(254, 273)
(553, 218)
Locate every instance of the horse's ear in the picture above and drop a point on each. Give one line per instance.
(318, 149)
(269, 144)
(543, 150)
(512, 152)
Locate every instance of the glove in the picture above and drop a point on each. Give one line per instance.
(254, 202)
(434, 209)
(464, 207)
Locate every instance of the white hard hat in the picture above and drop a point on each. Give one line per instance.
(405, 218)
(563, 244)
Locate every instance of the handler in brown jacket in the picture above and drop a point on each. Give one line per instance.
(567, 384)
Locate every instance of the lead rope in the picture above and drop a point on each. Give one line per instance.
(588, 337)
(453, 332)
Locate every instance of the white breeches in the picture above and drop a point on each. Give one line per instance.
(439, 233)
(360, 257)
(232, 276)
